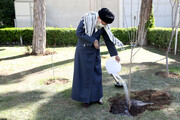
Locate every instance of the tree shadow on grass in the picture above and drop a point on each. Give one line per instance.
(59, 107)
(163, 52)
(62, 107)
(145, 76)
(2, 49)
(15, 99)
(14, 78)
(14, 57)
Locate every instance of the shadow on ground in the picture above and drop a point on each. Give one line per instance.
(14, 57)
(17, 77)
(59, 107)
(15, 99)
(62, 107)
(162, 52)
(2, 49)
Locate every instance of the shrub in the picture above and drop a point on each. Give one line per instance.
(7, 13)
(55, 36)
(151, 22)
(122, 34)
(160, 37)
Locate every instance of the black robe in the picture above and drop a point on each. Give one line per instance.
(87, 79)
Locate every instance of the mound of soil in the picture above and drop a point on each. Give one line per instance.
(164, 74)
(160, 100)
(56, 81)
(47, 52)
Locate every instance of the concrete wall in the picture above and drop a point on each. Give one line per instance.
(24, 13)
(66, 13)
(162, 13)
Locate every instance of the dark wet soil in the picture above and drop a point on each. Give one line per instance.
(160, 100)
(164, 74)
(56, 81)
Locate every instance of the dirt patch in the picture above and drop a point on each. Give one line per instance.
(56, 81)
(160, 100)
(104, 57)
(48, 52)
(164, 74)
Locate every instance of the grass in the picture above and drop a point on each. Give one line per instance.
(175, 70)
(24, 96)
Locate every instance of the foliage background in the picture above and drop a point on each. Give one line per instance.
(7, 13)
(157, 37)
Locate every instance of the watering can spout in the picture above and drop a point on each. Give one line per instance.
(118, 84)
(113, 67)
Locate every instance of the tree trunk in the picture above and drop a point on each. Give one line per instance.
(175, 24)
(39, 30)
(146, 7)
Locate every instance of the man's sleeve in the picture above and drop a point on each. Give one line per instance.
(80, 33)
(110, 45)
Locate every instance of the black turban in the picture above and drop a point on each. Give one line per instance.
(106, 15)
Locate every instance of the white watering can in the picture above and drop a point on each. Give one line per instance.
(113, 67)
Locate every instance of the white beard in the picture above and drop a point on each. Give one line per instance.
(99, 25)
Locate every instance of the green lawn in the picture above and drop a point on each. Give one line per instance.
(175, 69)
(24, 96)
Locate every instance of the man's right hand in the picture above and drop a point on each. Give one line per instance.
(96, 44)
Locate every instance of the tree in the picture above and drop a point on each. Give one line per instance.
(39, 32)
(144, 24)
(175, 24)
(7, 13)
(146, 8)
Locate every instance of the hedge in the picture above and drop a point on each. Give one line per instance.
(158, 37)
(55, 36)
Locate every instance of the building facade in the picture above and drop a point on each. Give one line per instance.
(67, 13)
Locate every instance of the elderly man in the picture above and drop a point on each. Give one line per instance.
(87, 79)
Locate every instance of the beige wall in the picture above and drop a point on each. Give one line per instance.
(24, 13)
(113, 6)
(65, 13)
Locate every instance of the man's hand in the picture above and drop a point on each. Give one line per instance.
(117, 58)
(96, 44)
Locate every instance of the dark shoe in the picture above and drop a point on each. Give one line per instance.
(86, 105)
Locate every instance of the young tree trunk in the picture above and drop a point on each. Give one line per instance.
(39, 30)
(175, 24)
(146, 7)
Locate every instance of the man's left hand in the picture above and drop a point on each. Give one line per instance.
(117, 58)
